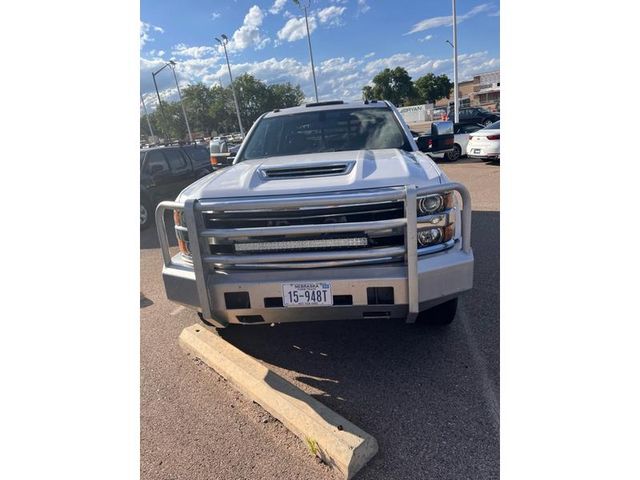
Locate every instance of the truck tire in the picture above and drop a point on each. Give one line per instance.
(442, 314)
(146, 213)
(454, 155)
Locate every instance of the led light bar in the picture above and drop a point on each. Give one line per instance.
(301, 244)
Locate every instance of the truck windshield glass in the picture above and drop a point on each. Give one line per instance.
(325, 131)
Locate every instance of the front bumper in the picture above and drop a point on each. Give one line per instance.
(419, 279)
(441, 276)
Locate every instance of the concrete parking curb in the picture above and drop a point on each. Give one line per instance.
(333, 438)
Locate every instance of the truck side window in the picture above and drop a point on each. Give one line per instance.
(155, 158)
(176, 161)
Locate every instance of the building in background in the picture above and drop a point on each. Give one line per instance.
(482, 91)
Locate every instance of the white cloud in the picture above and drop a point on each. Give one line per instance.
(447, 21)
(249, 33)
(277, 6)
(182, 50)
(363, 7)
(295, 29)
(338, 78)
(145, 33)
(469, 64)
(215, 15)
(425, 39)
(189, 70)
(331, 14)
(263, 43)
(370, 54)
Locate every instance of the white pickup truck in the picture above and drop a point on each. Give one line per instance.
(328, 212)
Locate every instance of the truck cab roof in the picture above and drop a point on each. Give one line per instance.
(330, 105)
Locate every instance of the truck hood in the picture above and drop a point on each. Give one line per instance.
(365, 169)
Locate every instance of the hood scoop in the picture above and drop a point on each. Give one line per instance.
(277, 172)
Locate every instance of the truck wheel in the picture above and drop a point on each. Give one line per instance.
(455, 154)
(487, 122)
(442, 314)
(146, 213)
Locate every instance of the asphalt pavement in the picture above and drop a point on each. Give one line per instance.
(430, 396)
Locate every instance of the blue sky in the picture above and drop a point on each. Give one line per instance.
(352, 40)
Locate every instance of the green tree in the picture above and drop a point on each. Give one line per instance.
(197, 99)
(431, 88)
(256, 98)
(222, 111)
(393, 85)
(367, 93)
(212, 110)
(284, 95)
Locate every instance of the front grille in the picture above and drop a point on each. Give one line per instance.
(370, 212)
(307, 216)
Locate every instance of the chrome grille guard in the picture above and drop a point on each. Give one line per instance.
(202, 259)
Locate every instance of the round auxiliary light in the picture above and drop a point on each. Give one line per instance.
(429, 236)
(430, 204)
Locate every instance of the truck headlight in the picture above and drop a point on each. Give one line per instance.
(181, 234)
(434, 203)
(429, 236)
(434, 235)
(436, 219)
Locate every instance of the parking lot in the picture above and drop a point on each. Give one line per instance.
(430, 396)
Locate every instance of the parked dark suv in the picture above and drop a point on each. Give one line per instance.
(475, 115)
(165, 171)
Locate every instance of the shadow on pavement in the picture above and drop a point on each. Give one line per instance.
(419, 390)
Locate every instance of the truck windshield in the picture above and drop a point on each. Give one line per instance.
(325, 131)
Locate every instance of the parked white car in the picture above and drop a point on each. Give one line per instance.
(462, 133)
(485, 143)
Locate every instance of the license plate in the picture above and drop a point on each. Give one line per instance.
(306, 294)
(476, 150)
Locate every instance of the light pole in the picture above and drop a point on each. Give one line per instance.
(455, 85)
(305, 5)
(184, 112)
(455, 63)
(146, 114)
(164, 121)
(172, 65)
(224, 42)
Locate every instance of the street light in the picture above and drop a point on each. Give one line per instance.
(146, 114)
(455, 62)
(153, 74)
(224, 42)
(171, 64)
(184, 111)
(304, 5)
(455, 83)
